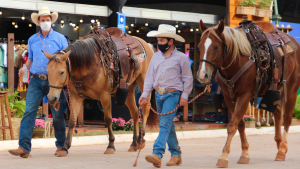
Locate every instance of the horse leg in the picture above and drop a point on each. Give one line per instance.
(131, 104)
(277, 124)
(244, 159)
(76, 103)
(106, 102)
(288, 115)
(239, 111)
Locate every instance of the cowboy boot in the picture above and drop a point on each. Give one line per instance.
(174, 161)
(60, 152)
(154, 160)
(19, 152)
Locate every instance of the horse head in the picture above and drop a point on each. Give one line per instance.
(58, 74)
(212, 49)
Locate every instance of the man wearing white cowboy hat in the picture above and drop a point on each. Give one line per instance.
(49, 41)
(169, 73)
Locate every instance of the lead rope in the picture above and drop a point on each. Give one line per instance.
(207, 89)
(70, 107)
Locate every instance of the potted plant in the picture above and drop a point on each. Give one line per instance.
(246, 7)
(17, 107)
(263, 9)
(39, 128)
(249, 121)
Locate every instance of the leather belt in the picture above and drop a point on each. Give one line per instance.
(41, 76)
(163, 91)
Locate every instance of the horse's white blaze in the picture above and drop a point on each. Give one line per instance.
(207, 44)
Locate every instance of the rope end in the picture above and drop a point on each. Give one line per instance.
(134, 164)
(75, 131)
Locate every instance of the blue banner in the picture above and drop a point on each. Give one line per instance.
(122, 21)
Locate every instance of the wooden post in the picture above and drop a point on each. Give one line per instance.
(46, 108)
(81, 114)
(10, 62)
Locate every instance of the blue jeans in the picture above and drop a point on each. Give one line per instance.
(37, 88)
(167, 133)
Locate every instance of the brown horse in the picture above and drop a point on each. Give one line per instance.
(212, 46)
(83, 57)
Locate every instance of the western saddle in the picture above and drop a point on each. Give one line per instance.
(118, 58)
(270, 49)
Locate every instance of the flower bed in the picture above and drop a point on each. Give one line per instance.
(121, 124)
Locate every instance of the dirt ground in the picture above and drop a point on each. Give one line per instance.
(196, 153)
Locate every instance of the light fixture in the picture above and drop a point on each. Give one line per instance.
(176, 26)
(96, 20)
(30, 25)
(77, 27)
(182, 23)
(129, 31)
(179, 31)
(71, 23)
(98, 23)
(0, 11)
(197, 29)
(146, 24)
(23, 17)
(13, 23)
(81, 20)
(62, 21)
(62, 25)
(16, 25)
(137, 31)
(127, 26)
(91, 27)
(93, 20)
(132, 25)
(191, 29)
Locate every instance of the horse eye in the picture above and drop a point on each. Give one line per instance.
(216, 48)
(62, 73)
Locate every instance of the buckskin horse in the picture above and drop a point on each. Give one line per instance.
(225, 52)
(84, 60)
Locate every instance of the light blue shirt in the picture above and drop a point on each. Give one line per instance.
(54, 42)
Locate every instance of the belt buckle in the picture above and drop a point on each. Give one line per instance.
(43, 77)
(161, 91)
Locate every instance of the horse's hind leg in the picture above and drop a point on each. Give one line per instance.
(277, 124)
(288, 115)
(131, 104)
(244, 159)
(106, 102)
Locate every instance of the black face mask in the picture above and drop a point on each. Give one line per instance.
(163, 48)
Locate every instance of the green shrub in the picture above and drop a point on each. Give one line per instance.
(297, 108)
(14, 103)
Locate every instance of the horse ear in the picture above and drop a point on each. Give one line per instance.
(66, 55)
(221, 26)
(47, 55)
(202, 26)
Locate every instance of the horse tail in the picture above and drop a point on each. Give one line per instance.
(152, 118)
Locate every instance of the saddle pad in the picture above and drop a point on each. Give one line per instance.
(289, 50)
(141, 57)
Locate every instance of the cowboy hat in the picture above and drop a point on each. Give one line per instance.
(44, 10)
(166, 31)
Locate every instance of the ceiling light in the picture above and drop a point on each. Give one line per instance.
(23, 17)
(62, 25)
(96, 20)
(197, 29)
(16, 25)
(129, 31)
(182, 23)
(176, 26)
(137, 31)
(132, 25)
(127, 26)
(93, 21)
(71, 23)
(30, 25)
(0, 11)
(77, 27)
(179, 31)
(13, 23)
(191, 29)
(62, 21)
(81, 20)
(146, 24)
(98, 23)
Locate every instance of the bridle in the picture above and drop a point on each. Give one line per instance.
(69, 71)
(215, 64)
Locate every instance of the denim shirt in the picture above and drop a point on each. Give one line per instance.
(53, 42)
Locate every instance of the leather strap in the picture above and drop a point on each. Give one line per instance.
(168, 90)
(230, 83)
(43, 43)
(284, 70)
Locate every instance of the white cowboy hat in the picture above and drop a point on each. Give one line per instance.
(166, 31)
(44, 10)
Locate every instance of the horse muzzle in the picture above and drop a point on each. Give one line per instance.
(53, 99)
(204, 77)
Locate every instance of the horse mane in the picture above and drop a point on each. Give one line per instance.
(83, 53)
(236, 41)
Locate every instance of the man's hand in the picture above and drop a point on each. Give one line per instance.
(143, 101)
(21, 72)
(183, 102)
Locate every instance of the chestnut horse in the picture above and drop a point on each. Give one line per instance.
(83, 57)
(212, 46)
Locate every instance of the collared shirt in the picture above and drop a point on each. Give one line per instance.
(172, 72)
(54, 42)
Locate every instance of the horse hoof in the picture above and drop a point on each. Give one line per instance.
(280, 156)
(142, 145)
(244, 160)
(132, 148)
(222, 163)
(61, 153)
(110, 151)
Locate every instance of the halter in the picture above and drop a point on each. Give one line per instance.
(69, 71)
(215, 64)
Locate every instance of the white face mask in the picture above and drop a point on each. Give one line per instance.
(45, 26)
